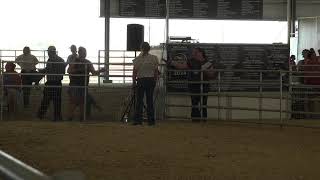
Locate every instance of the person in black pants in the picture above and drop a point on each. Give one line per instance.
(52, 91)
(29, 75)
(145, 74)
(79, 71)
(199, 63)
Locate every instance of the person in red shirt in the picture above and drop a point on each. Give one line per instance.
(12, 86)
(312, 65)
(312, 77)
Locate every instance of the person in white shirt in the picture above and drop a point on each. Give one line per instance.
(29, 75)
(145, 74)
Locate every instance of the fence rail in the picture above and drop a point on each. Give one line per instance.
(283, 100)
(13, 169)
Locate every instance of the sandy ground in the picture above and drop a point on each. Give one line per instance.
(171, 150)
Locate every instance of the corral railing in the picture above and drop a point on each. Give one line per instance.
(13, 169)
(271, 97)
(120, 74)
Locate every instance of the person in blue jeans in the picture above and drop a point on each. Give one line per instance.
(144, 77)
(54, 70)
(200, 64)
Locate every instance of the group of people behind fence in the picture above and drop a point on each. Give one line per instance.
(19, 84)
(307, 73)
(145, 75)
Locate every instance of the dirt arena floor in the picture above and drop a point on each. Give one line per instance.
(171, 150)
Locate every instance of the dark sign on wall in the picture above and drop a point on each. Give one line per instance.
(206, 9)
(233, 59)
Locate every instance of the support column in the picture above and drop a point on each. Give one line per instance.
(107, 40)
(167, 20)
(291, 18)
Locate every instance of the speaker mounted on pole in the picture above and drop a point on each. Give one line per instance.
(135, 36)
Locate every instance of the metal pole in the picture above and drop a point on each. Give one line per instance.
(289, 19)
(99, 83)
(107, 39)
(166, 72)
(219, 90)
(260, 97)
(167, 20)
(165, 81)
(281, 96)
(14, 169)
(2, 92)
(124, 67)
(201, 96)
(86, 76)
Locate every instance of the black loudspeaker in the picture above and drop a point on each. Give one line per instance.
(135, 36)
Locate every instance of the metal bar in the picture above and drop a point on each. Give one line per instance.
(167, 20)
(219, 91)
(124, 67)
(85, 95)
(289, 19)
(99, 62)
(2, 92)
(107, 38)
(13, 169)
(201, 96)
(281, 98)
(231, 108)
(260, 97)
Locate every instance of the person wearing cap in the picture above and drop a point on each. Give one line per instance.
(145, 74)
(12, 87)
(29, 75)
(91, 102)
(54, 70)
(79, 81)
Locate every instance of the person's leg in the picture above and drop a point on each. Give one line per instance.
(204, 109)
(94, 103)
(149, 87)
(36, 77)
(11, 101)
(195, 102)
(72, 106)
(90, 102)
(195, 111)
(139, 103)
(44, 103)
(57, 103)
(82, 100)
(26, 89)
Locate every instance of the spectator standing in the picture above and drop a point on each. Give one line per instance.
(55, 69)
(145, 74)
(29, 75)
(199, 64)
(73, 56)
(12, 87)
(312, 78)
(79, 80)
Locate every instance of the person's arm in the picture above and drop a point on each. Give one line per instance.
(19, 81)
(179, 65)
(134, 76)
(71, 68)
(35, 61)
(44, 70)
(156, 69)
(19, 61)
(95, 72)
